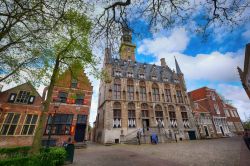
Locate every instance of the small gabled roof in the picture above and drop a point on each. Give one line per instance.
(26, 83)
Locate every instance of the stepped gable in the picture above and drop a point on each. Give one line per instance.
(64, 80)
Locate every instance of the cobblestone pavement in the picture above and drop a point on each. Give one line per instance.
(221, 152)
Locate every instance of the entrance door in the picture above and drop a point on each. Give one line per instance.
(206, 131)
(80, 132)
(192, 135)
(221, 129)
(145, 124)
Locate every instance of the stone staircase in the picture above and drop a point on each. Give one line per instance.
(146, 137)
(80, 145)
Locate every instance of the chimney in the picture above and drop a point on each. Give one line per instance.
(163, 62)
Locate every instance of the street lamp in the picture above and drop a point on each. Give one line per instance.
(56, 106)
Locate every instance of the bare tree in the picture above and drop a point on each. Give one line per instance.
(164, 14)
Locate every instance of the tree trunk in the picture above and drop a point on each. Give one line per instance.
(37, 141)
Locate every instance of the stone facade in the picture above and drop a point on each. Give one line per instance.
(20, 108)
(137, 96)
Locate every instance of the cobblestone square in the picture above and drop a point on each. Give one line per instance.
(213, 152)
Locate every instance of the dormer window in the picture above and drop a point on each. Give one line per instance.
(154, 78)
(176, 81)
(118, 73)
(130, 74)
(74, 83)
(213, 96)
(165, 79)
(23, 97)
(196, 106)
(141, 76)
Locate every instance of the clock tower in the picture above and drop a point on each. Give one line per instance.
(127, 48)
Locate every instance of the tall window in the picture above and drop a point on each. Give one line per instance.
(179, 96)
(130, 90)
(117, 115)
(159, 115)
(168, 97)
(10, 124)
(63, 97)
(184, 117)
(74, 83)
(79, 99)
(156, 94)
(172, 116)
(61, 124)
(23, 97)
(216, 108)
(227, 113)
(131, 115)
(29, 125)
(130, 74)
(143, 94)
(82, 119)
(144, 110)
(117, 89)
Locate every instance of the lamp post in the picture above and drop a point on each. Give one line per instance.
(56, 106)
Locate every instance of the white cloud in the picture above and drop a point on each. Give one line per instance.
(213, 67)
(246, 34)
(176, 42)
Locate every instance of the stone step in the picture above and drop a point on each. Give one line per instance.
(80, 145)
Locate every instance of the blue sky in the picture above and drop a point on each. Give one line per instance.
(210, 61)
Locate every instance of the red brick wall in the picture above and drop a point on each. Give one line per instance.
(23, 110)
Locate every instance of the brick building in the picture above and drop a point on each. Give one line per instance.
(203, 120)
(20, 108)
(211, 101)
(70, 108)
(245, 74)
(141, 96)
(233, 119)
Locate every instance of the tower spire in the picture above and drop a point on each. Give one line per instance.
(178, 70)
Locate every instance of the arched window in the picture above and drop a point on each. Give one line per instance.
(130, 89)
(167, 91)
(143, 94)
(117, 115)
(159, 116)
(144, 110)
(156, 94)
(172, 116)
(184, 117)
(117, 89)
(131, 115)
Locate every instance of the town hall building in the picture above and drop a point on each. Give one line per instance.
(139, 96)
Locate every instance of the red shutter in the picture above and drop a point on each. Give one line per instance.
(85, 102)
